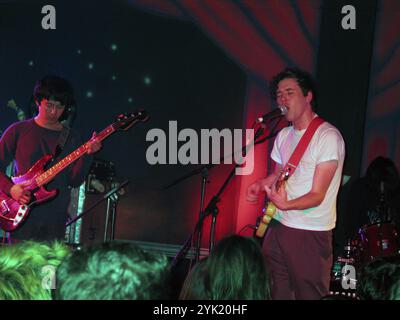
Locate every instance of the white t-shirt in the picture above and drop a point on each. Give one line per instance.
(326, 144)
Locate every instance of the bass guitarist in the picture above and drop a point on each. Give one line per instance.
(27, 141)
(298, 241)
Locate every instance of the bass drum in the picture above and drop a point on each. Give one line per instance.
(378, 240)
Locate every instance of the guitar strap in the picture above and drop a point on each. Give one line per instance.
(301, 147)
(61, 141)
(289, 169)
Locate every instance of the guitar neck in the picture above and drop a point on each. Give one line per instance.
(279, 184)
(50, 173)
(280, 180)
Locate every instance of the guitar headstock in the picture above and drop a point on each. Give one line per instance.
(127, 120)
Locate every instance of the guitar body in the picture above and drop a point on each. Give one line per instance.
(270, 208)
(12, 213)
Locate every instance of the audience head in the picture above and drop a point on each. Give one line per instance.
(395, 291)
(235, 269)
(27, 269)
(379, 279)
(112, 271)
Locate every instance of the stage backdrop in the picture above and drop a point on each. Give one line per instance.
(382, 126)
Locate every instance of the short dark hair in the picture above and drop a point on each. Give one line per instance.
(55, 88)
(303, 78)
(379, 279)
(234, 270)
(113, 271)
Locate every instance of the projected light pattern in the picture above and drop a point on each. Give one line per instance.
(382, 128)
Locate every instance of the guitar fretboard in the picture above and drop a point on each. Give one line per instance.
(50, 173)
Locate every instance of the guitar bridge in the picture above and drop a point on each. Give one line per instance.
(20, 214)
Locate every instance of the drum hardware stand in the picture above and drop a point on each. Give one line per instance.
(112, 198)
(6, 238)
(212, 205)
(339, 272)
(382, 216)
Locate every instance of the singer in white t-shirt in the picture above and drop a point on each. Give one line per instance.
(298, 242)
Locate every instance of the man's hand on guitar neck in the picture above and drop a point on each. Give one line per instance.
(94, 144)
(20, 194)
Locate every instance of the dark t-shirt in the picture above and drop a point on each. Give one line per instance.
(25, 143)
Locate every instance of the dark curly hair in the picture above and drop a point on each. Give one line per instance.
(303, 78)
(55, 88)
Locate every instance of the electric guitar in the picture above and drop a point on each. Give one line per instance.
(12, 213)
(270, 209)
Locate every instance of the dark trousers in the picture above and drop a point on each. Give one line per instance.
(299, 262)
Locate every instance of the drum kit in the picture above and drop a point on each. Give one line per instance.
(372, 241)
(378, 238)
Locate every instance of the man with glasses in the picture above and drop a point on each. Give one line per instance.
(25, 142)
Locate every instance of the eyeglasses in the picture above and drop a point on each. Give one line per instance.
(51, 105)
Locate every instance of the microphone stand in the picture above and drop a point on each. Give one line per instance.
(212, 205)
(204, 175)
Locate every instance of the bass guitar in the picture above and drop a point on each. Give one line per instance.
(12, 213)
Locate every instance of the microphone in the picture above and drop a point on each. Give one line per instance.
(278, 112)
